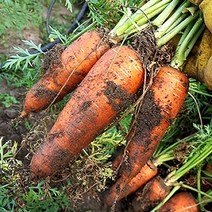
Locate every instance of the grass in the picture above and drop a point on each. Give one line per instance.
(91, 170)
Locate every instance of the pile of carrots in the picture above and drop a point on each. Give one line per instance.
(104, 80)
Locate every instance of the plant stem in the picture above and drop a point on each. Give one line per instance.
(175, 144)
(165, 14)
(196, 190)
(1, 153)
(176, 15)
(199, 197)
(125, 17)
(191, 163)
(187, 41)
(82, 32)
(142, 15)
(137, 26)
(167, 37)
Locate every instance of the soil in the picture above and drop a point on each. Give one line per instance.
(52, 57)
(117, 97)
(153, 57)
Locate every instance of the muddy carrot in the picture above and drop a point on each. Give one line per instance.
(160, 106)
(182, 201)
(147, 172)
(63, 76)
(108, 89)
(152, 194)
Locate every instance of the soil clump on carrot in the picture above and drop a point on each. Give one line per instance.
(149, 116)
(114, 92)
(152, 56)
(52, 57)
(145, 121)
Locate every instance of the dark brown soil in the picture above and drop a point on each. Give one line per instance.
(117, 97)
(151, 56)
(52, 58)
(148, 116)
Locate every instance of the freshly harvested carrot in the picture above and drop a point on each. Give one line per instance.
(182, 201)
(61, 78)
(108, 89)
(154, 192)
(147, 172)
(160, 106)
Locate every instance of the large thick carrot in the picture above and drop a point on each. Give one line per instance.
(64, 76)
(108, 89)
(182, 201)
(160, 106)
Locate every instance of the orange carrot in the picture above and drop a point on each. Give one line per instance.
(182, 201)
(147, 172)
(108, 89)
(153, 193)
(60, 79)
(160, 106)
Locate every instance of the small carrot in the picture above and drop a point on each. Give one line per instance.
(153, 192)
(182, 201)
(147, 172)
(60, 79)
(108, 89)
(157, 189)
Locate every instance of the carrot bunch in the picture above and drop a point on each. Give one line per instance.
(108, 88)
(109, 78)
(156, 189)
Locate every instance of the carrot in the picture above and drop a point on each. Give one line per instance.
(182, 201)
(160, 106)
(108, 89)
(60, 79)
(157, 190)
(153, 192)
(147, 172)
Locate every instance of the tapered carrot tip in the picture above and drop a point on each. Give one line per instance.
(23, 114)
(48, 160)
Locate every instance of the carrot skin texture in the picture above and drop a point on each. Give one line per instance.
(147, 172)
(94, 105)
(182, 201)
(160, 106)
(76, 61)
